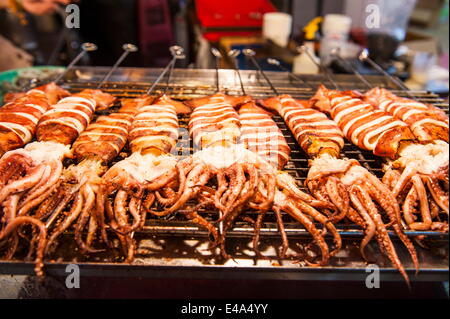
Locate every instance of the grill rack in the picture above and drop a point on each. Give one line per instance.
(182, 87)
(186, 84)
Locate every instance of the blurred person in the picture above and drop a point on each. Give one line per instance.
(29, 34)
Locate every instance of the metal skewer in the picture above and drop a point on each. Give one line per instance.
(292, 75)
(320, 65)
(336, 54)
(217, 57)
(127, 47)
(233, 54)
(364, 56)
(251, 55)
(177, 53)
(262, 72)
(85, 47)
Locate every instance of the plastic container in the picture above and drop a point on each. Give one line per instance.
(335, 30)
(277, 26)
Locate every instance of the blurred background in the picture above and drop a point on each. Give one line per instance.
(407, 38)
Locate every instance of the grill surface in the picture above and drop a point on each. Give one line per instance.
(168, 249)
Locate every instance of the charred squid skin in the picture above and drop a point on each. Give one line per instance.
(57, 129)
(24, 209)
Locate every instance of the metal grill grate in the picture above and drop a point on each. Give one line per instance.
(174, 248)
(188, 84)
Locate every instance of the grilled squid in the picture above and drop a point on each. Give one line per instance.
(131, 183)
(429, 125)
(40, 163)
(74, 201)
(261, 135)
(215, 129)
(344, 182)
(233, 171)
(20, 116)
(412, 167)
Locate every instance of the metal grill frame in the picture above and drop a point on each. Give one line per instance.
(186, 84)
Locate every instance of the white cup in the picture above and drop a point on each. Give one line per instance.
(277, 27)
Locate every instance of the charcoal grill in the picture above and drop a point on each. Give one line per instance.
(174, 248)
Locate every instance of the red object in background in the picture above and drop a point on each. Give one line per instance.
(155, 32)
(359, 36)
(231, 17)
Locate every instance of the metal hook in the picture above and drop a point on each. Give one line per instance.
(128, 48)
(251, 55)
(282, 68)
(85, 47)
(217, 56)
(336, 53)
(177, 54)
(233, 54)
(320, 65)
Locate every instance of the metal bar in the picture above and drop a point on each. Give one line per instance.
(159, 78)
(217, 57)
(177, 53)
(320, 65)
(217, 272)
(282, 68)
(336, 53)
(169, 76)
(233, 54)
(364, 56)
(251, 55)
(85, 47)
(128, 48)
(224, 272)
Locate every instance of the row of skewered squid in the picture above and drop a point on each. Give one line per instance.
(238, 169)
(411, 136)
(32, 173)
